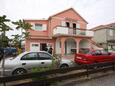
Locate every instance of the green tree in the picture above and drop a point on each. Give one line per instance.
(3, 29)
(16, 40)
(24, 27)
(3, 38)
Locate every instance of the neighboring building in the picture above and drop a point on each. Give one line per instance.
(104, 35)
(64, 32)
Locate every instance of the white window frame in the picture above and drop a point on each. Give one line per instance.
(44, 27)
(111, 32)
(41, 25)
(34, 43)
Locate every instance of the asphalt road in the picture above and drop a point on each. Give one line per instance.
(104, 80)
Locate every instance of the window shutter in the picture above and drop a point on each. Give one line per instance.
(78, 25)
(44, 27)
(33, 26)
(63, 23)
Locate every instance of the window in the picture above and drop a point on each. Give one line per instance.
(104, 52)
(97, 52)
(67, 24)
(30, 56)
(44, 56)
(74, 25)
(35, 45)
(111, 32)
(63, 23)
(38, 26)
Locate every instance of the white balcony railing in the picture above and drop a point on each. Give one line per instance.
(68, 31)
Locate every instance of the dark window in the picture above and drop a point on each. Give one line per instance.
(30, 56)
(104, 52)
(74, 25)
(38, 27)
(67, 24)
(98, 52)
(44, 56)
(35, 45)
(43, 47)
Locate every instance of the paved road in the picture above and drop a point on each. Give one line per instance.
(105, 80)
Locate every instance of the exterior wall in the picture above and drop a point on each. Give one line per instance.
(84, 44)
(58, 47)
(100, 36)
(38, 41)
(72, 15)
(36, 32)
(68, 16)
(109, 37)
(54, 21)
(27, 45)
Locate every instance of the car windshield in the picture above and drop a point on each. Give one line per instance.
(84, 50)
(102, 52)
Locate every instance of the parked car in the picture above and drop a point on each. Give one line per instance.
(24, 62)
(94, 57)
(10, 51)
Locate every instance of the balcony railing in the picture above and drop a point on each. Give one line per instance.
(72, 31)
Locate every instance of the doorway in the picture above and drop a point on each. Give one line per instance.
(43, 46)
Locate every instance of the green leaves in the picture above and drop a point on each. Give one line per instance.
(22, 24)
(3, 19)
(24, 27)
(16, 40)
(3, 29)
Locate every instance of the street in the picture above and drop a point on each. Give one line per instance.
(104, 80)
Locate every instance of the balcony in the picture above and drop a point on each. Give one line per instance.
(70, 31)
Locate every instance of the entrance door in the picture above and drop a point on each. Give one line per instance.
(35, 47)
(43, 46)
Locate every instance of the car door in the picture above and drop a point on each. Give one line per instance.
(45, 59)
(106, 56)
(97, 56)
(30, 60)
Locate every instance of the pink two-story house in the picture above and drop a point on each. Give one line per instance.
(64, 32)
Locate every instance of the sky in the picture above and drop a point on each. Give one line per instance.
(95, 12)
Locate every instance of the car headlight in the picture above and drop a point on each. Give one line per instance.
(79, 57)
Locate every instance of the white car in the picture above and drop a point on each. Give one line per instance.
(24, 62)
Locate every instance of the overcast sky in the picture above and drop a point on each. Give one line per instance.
(96, 12)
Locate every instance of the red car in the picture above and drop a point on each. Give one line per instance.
(94, 57)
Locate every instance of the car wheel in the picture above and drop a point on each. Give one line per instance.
(64, 66)
(19, 71)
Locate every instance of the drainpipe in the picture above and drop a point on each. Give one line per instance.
(106, 39)
(77, 42)
(62, 46)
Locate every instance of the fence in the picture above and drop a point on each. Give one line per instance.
(59, 74)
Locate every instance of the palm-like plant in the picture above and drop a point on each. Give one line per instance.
(24, 27)
(3, 19)
(3, 26)
(21, 24)
(4, 39)
(16, 40)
